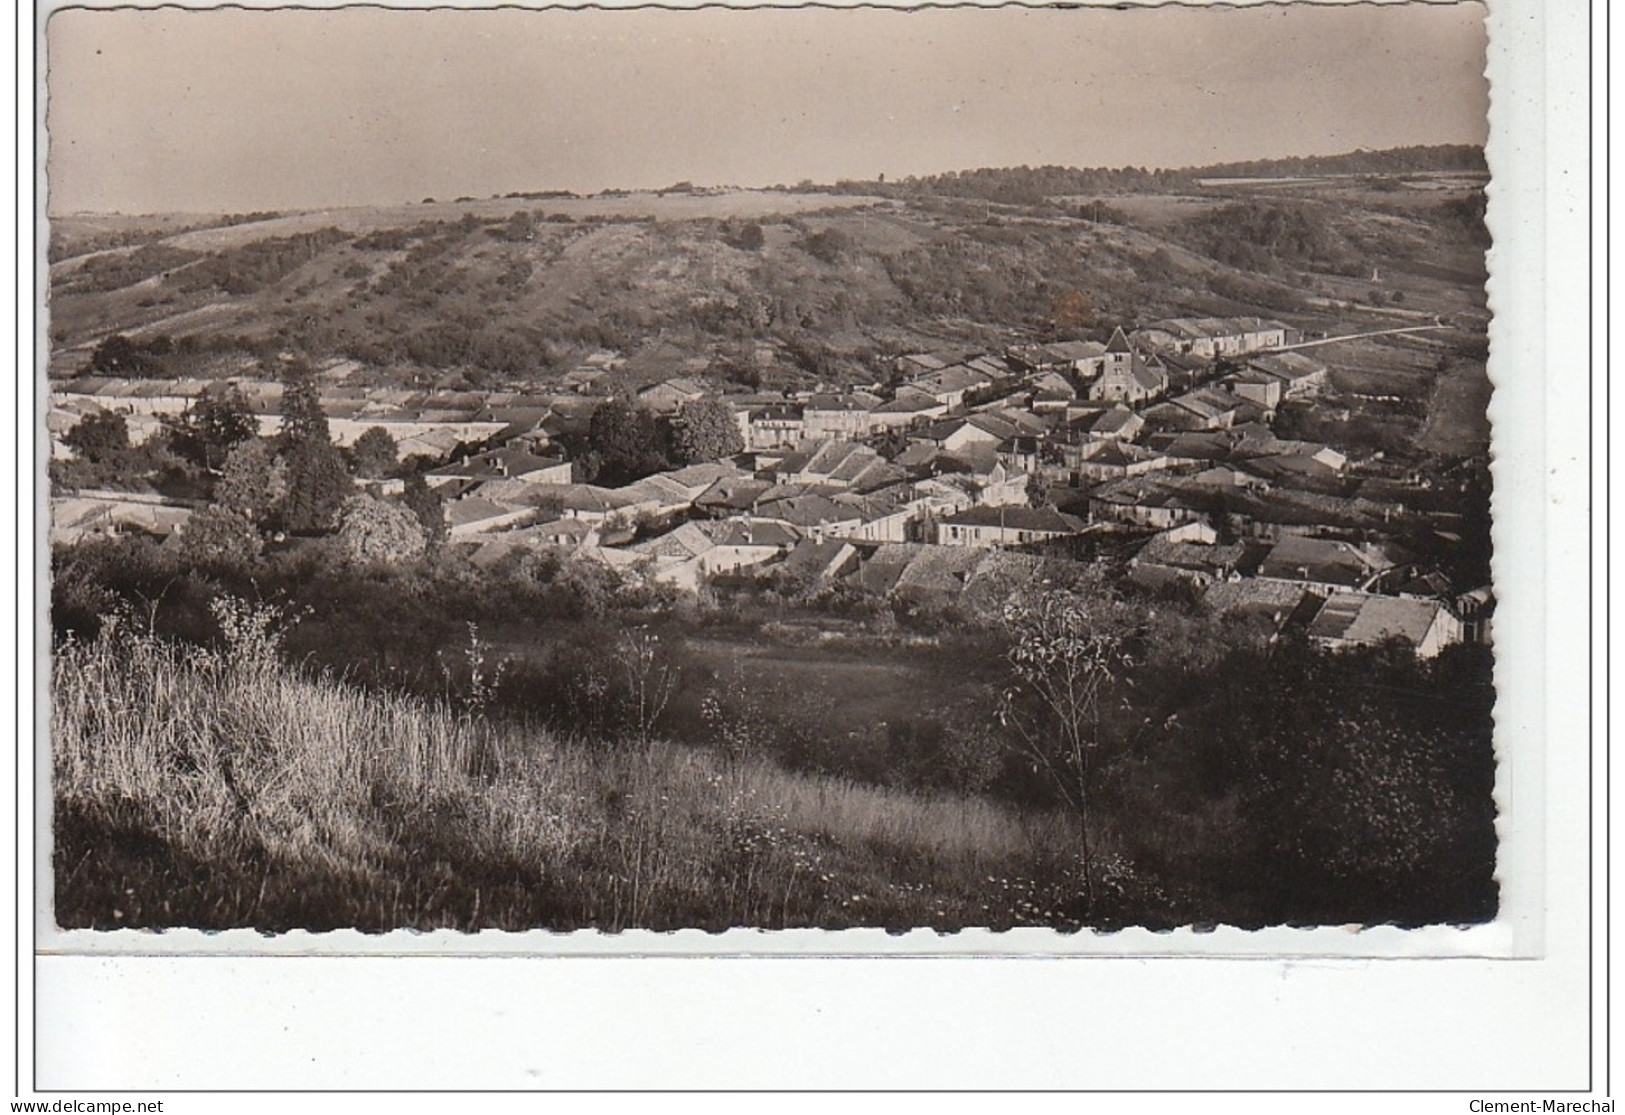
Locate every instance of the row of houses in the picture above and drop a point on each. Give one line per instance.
(948, 461)
(1212, 337)
(1091, 375)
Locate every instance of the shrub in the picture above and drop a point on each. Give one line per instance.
(219, 536)
(253, 481)
(374, 453)
(827, 246)
(99, 437)
(375, 531)
(208, 429)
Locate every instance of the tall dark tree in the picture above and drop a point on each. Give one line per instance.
(303, 418)
(318, 480)
(318, 484)
(428, 505)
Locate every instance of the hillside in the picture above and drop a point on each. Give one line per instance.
(516, 289)
(314, 805)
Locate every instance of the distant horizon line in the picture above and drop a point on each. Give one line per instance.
(805, 185)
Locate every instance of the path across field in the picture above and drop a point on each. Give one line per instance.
(1359, 336)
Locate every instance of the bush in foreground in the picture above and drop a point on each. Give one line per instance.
(217, 789)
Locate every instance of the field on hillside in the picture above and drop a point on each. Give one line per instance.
(1458, 422)
(514, 290)
(642, 205)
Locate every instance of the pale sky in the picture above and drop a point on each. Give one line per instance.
(230, 110)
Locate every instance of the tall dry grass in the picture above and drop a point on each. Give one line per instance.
(219, 788)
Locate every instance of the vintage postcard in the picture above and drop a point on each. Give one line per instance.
(1017, 479)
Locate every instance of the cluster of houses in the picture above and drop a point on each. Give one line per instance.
(958, 472)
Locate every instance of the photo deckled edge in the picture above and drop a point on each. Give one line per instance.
(1515, 932)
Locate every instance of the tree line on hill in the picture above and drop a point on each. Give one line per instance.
(1467, 158)
(1029, 186)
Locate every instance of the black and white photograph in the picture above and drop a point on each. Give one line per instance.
(782, 469)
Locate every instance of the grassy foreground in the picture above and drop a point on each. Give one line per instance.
(219, 789)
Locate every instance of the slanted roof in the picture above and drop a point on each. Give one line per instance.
(775, 412)
(1115, 420)
(1252, 377)
(1054, 383)
(910, 401)
(1119, 341)
(1146, 491)
(1149, 378)
(951, 379)
(920, 454)
(846, 463)
(751, 532)
(844, 404)
(925, 360)
(1287, 468)
(579, 497)
(1078, 350)
(810, 510)
(1201, 405)
(943, 430)
(474, 510)
(1431, 584)
(700, 476)
(819, 456)
(676, 385)
(1020, 421)
(1171, 416)
(977, 459)
(993, 424)
(990, 366)
(1271, 600)
(1189, 555)
(657, 489)
(684, 542)
(1367, 620)
(558, 530)
(733, 492)
(499, 464)
(938, 569)
(881, 573)
(1323, 561)
(1120, 454)
(820, 559)
(1288, 366)
(878, 504)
